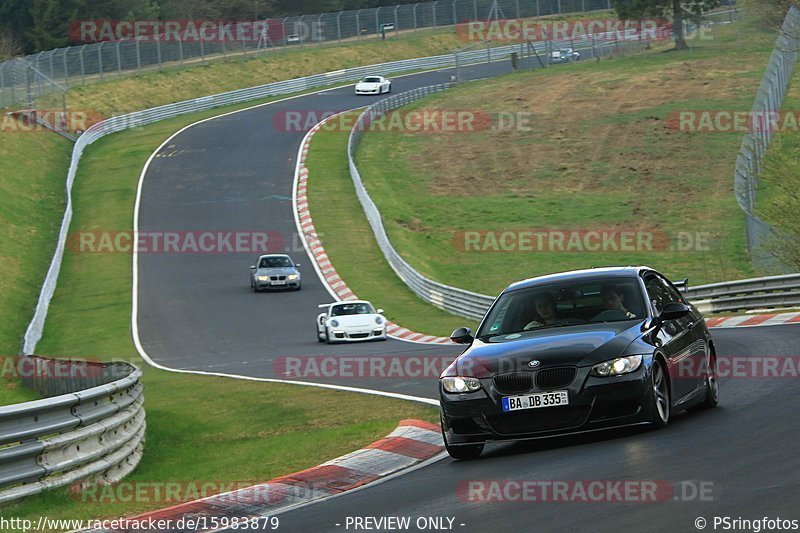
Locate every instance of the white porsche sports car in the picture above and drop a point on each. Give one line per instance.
(374, 85)
(354, 320)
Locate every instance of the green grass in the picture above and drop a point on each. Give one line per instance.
(199, 428)
(600, 155)
(352, 247)
(32, 174)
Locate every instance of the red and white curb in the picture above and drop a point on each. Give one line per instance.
(412, 443)
(774, 319)
(327, 272)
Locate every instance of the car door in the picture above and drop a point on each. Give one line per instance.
(673, 336)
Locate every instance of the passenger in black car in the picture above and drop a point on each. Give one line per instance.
(545, 310)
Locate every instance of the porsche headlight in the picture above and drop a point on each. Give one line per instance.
(460, 384)
(379, 320)
(618, 366)
(292, 276)
(334, 323)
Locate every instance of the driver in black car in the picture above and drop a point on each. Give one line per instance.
(614, 300)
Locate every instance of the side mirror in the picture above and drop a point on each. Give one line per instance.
(380, 311)
(252, 267)
(673, 311)
(462, 336)
(297, 265)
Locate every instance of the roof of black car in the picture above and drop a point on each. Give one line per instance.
(589, 273)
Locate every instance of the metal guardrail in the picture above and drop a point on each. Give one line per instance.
(90, 425)
(757, 293)
(141, 118)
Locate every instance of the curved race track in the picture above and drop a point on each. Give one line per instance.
(196, 312)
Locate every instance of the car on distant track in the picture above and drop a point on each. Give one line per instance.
(374, 85)
(576, 352)
(275, 271)
(353, 320)
(564, 55)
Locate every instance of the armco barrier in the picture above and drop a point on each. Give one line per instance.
(756, 293)
(148, 116)
(94, 428)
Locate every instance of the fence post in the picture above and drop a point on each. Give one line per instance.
(377, 23)
(559, 7)
(66, 67)
(202, 52)
(519, 16)
(414, 15)
(100, 58)
(138, 56)
(454, 12)
(396, 29)
(358, 24)
(538, 9)
(339, 26)
(180, 49)
(158, 51)
(434, 12)
(119, 59)
(475, 9)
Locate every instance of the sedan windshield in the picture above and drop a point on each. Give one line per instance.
(275, 262)
(564, 304)
(352, 309)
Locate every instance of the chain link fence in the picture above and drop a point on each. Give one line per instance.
(755, 143)
(88, 63)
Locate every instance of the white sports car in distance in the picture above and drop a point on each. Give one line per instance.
(374, 85)
(354, 320)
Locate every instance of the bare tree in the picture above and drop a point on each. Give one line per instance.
(8, 46)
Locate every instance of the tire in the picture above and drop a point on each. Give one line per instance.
(389, 89)
(660, 397)
(327, 337)
(465, 452)
(711, 399)
(319, 339)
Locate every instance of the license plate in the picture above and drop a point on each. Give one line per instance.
(279, 283)
(534, 401)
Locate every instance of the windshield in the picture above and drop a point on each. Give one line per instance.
(275, 262)
(352, 309)
(371, 80)
(564, 304)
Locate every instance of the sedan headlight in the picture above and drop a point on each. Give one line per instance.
(263, 278)
(460, 384)
(292, 276)
(334, 323)
(618, 366)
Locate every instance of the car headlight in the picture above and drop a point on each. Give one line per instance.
(292, 276)
(334, 323)
(461, 384)
(263, 278)
(618, 366)
(379, 320)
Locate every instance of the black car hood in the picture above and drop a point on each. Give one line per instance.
(580, 345)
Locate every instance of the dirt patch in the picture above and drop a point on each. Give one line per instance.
(584, 124)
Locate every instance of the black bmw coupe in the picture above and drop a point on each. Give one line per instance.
(574, 352)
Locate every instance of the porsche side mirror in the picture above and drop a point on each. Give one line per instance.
(380, 311)
(252, 267)
(462, 336)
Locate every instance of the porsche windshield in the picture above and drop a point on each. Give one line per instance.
(564, 304)
(352, 309)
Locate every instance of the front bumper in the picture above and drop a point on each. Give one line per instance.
(288, 284)
(368, 91)
(357, 335)
(594, 403)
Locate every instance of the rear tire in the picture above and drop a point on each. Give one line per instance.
(712, 386)
(659, 391)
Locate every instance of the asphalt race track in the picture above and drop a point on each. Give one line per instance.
(197, 312)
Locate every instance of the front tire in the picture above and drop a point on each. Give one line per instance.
(659, 391)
